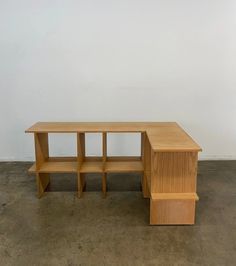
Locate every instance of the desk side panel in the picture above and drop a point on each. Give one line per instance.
(173, 172)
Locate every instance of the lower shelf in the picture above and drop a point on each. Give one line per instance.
(57, 167)
(53, 166)
(124, 167)
(91, 167)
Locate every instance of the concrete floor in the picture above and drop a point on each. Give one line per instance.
(61, 229)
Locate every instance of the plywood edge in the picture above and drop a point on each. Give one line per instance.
(160, 149)
(174, 196)
(174, 149)
(73, 127)
(32, 128)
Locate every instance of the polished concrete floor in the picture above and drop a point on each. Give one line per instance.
(61, 229)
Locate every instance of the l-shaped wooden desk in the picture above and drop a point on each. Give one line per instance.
(168, 163)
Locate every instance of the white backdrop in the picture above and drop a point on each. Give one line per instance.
(126, 60)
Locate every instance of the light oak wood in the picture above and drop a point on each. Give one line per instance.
(91, 167)
(173, 187)
(104, 152)
(81, 158)
(59, 167)
(111, 167)
(172, 138)
(123, 158)
(70, 127)
(32, 169)
(91, 159)
(41, 148)
(174, 172)
(163, 136)
(81, 147)
(168, 163)
(146, 159)
(172, 211)
(124, 167)
(174, 196)
(112, 158)
(62, 159)
(143, 177)
(42, 180)
(104, 146)
(81, 184)
(41, 155)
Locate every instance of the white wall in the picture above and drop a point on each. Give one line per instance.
(126, 60)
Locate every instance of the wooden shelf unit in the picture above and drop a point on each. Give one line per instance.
(167, 163)
(81, 164)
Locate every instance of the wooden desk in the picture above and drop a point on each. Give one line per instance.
(168, 163)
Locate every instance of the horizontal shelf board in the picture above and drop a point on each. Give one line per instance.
(73, 127)
(125, 167)
(91, 167)
(174, 196)
(59, 167)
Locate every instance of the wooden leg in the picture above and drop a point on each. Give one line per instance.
(146, 159)
(146, 192)
(81, 184)
(104, 184)
(43, 181)
(104, 158)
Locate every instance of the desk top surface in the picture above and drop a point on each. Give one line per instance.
(163, 136)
